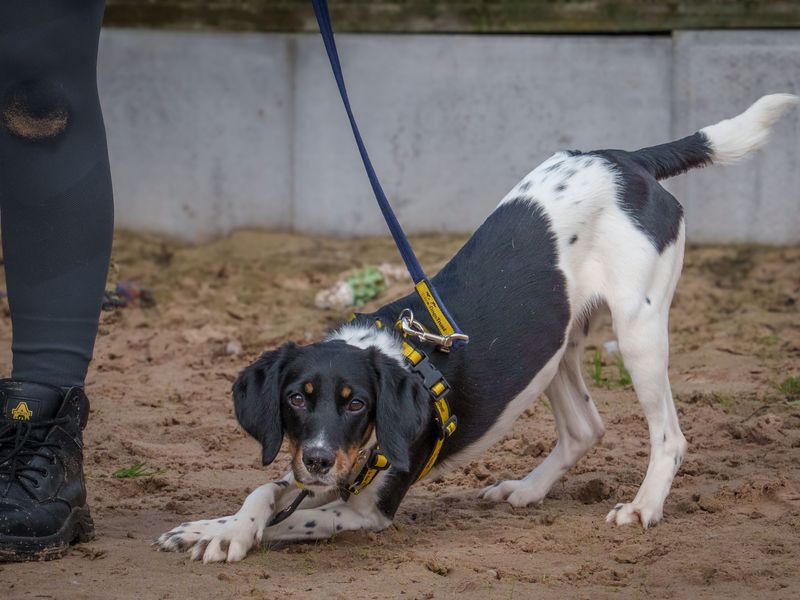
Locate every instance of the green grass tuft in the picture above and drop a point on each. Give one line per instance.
(597, 368)
(136, 470)
(596, 372)
(366, 283)
(790, 387)
(624, 376)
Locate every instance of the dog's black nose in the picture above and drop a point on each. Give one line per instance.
(318, 460)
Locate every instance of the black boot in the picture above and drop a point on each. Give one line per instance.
(42, 493)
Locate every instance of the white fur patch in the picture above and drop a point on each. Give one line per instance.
(363, 336)
(732, 139)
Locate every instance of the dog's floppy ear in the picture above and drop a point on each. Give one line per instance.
(402, 409)
(256, 398)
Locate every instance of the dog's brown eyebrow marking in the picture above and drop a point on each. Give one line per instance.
(309, 387)
(346, 391)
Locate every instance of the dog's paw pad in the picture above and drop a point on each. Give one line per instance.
(526, 496)
(181, 538)
(217, 550)
(216, 540)
(629, 513)
(501, 490)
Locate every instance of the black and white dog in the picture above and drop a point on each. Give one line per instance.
(582, 229)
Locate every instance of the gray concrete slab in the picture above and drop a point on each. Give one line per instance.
(453, 122)
(199, 129)
(209, 132)
(718, 75)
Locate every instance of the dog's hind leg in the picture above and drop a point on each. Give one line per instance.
(578, 425)
(641, 327)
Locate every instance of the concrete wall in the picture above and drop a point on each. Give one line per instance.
(213, 131)
(718, 74)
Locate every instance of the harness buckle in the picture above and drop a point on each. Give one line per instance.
(449, 427)
(432, 379)
(413, 328)
(375, 463)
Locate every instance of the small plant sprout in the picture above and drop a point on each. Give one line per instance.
(136, 470)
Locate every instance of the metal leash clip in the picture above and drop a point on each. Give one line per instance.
(414, 328)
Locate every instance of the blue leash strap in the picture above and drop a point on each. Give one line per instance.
(433, 303)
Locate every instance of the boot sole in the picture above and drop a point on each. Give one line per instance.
(78, 528)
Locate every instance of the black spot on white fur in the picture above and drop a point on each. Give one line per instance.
(573, 239)
(560, 187)
(311, 524)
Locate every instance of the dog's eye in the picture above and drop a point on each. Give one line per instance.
(355, 405)
(297, 400)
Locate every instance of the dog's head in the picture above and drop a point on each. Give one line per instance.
(328, 399)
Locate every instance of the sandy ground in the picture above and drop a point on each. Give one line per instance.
(160, 394)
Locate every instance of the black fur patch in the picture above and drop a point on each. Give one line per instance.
(505, 290)
(573, 239)
(652, 209)
(561, 187)
(674, 158)
(311, 524)
(517, 299)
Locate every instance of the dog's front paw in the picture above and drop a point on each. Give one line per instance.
(216, 540)
(516, 493)
(629, 512)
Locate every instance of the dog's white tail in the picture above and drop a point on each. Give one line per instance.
(723, 143)
(732, 139)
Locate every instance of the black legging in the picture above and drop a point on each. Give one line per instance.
(56, 202)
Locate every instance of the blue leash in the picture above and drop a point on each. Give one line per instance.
(444, 321)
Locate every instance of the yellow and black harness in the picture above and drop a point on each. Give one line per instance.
(438, 388)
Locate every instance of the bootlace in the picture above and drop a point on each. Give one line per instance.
(18, 448)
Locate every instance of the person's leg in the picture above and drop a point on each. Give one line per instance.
(57, 220)
(55, 186)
